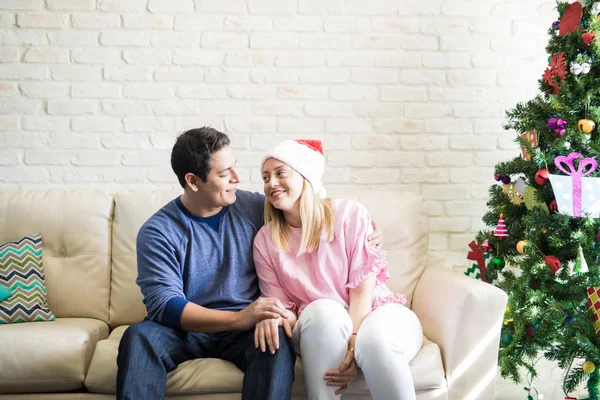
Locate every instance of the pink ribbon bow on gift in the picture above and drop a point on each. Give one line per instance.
(576, 175)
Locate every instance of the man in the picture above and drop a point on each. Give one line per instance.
(200, 288)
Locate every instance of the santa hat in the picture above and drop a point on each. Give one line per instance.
(306, 157)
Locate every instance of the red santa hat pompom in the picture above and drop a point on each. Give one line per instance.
(304, 156)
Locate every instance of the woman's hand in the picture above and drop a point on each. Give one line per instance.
(346, 372)
(266, 332)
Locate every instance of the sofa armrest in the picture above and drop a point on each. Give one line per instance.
(463, 316)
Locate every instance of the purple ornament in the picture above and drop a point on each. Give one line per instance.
(506, 179)
(559, 126)
(556, 24)
(498, 177)
(598, 236)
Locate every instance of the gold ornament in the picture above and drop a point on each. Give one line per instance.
(512, 193)
(521, 246)
(588, 367)
(506, 313)
(586, 126)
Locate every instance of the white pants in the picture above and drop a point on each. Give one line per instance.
(387, 340)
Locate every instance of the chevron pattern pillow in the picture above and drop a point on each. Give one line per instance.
(22, 273)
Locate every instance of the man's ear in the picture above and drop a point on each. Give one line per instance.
(192, 181)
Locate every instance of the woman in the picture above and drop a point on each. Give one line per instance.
(313, 255)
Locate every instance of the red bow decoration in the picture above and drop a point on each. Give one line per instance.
(476, 254)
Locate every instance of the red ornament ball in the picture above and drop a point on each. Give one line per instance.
(530, 331)
(553, 263)
(553, 206)
(542, 177)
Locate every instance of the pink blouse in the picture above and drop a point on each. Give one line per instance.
(328, 272)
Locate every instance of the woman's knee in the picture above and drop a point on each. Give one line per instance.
(324, 312)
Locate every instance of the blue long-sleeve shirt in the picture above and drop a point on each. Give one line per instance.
(181, 258)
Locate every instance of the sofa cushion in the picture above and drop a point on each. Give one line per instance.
(21, 271)
(48, 357)
(75, 225)
(211, 375)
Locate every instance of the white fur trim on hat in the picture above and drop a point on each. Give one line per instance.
(307, 161)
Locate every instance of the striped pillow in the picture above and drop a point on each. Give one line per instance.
(22, 273)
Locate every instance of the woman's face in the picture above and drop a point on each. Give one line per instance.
(282, 184)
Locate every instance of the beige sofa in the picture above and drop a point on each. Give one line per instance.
(90, 266)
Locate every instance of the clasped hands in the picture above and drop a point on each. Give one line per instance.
(266, 334)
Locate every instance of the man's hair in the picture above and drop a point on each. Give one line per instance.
(192, 152)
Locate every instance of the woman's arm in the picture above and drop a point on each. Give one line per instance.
(361, 303)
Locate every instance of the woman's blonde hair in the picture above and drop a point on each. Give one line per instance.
(317, 219)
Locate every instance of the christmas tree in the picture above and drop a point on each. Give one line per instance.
(544, 244)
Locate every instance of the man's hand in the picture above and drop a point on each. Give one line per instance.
(346, 372)
(376, 238)
(261, 308)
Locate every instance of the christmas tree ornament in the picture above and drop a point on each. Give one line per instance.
(507, 320)
(581, 266)
(553, 264)
(559, 126)
(553, 206)
(497, 263)
(567, 145)
(506, 179)
(574, 193)
(530, 331)
(568, 320)
(576, 69)
(477, 270)
(508, 125)
(511, 191)
(520, 185)
(593, 298)
(586, 125)
(521, 246)
(586, 68)
(501, 231)
(542, 177)
(588, 367)
(556, 72)
(595, 8)
(588, 38)
(531, 201)
(531, 138)
(506, 338)
(571, 18)
(485, 245)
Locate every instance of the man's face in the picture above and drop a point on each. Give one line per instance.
(222, 180)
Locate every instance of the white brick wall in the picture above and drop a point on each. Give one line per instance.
(406, 94)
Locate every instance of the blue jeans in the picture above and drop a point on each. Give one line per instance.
(148, 351)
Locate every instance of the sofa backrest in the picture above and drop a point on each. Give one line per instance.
(132, 209)
(402, 217)
(76, 243)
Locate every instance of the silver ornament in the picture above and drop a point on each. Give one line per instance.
(576, 69)
(585, 68)
(568, 145)
(596, 8)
